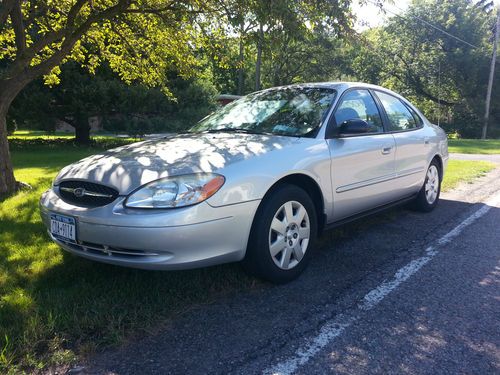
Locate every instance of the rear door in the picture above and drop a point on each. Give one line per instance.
(363, 165)
(411, 143)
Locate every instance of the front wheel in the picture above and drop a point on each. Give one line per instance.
(428, 196)
(283, 232)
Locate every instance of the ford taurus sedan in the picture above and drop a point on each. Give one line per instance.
(256, 181)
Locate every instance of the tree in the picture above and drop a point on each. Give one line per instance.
(139, 39)
(287, 29)
(445, 76)
(272, 34)
(81, 95)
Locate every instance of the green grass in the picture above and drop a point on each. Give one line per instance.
(30, 134)
(474, 146)
(55, 307)
(464, 171)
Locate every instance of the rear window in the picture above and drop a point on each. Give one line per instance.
(400, 117)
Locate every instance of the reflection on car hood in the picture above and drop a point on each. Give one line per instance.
(128, 167)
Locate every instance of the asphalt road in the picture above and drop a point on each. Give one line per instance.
(401, 292)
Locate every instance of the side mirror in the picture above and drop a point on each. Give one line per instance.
(354, 126)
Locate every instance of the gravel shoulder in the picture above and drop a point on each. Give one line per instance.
(494, 158)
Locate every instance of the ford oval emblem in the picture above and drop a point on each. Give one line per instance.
(79, 192)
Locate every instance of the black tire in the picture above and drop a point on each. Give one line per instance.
(421, 202)
(258, 259)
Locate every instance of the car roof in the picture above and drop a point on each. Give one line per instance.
(339, 86)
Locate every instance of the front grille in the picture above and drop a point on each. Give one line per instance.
(97, 249)
(86, 194)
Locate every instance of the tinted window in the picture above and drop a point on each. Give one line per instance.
(292, 111)
(400, 117)
(359, 104)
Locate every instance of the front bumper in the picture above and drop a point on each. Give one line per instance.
(169, 239)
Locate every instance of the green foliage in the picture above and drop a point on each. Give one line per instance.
(140, 40)
(443, 76)
(292, 32)
(133, 109)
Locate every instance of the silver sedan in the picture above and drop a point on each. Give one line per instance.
(256, 181)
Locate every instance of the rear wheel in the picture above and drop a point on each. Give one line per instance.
(428, 196)
(283, 232)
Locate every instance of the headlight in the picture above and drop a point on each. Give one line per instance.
(176, 191)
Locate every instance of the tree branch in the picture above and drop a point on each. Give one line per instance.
(5, 8)
(418, 86)
(25, 54)
(70, 38)
(73, 12)
(16, 17)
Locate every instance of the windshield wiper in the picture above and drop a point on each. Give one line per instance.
(235, 130)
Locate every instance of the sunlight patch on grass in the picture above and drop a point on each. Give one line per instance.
(464, 171)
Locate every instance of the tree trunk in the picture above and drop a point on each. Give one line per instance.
(9, 88)
(258, 63)
(241, 77)
(82, 130)
(7, 180)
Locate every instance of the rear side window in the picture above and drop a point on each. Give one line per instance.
(359, 104)
(417, 118)
(400, 117)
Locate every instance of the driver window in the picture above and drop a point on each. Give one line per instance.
(359, 104)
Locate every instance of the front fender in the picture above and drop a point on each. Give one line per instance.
(250, 179)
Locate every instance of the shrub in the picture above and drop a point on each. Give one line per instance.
(137, 127)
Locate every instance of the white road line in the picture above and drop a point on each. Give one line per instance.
(335, 327)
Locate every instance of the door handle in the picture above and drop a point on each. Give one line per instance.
(386, 150)
(426, 141)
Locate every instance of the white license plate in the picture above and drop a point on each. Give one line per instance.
(63, 227)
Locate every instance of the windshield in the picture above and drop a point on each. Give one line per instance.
(291, 111)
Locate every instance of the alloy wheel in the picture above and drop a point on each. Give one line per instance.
(289, 235)
(432, 184)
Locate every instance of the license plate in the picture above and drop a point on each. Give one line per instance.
(63, 227)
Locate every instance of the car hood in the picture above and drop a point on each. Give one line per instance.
(128, 167)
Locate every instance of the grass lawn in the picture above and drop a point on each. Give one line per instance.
(464, 171)
(55, 306)
(474, 146)
(30, 134)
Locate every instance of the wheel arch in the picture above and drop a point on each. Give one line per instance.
(439, 160)
(310, 186)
